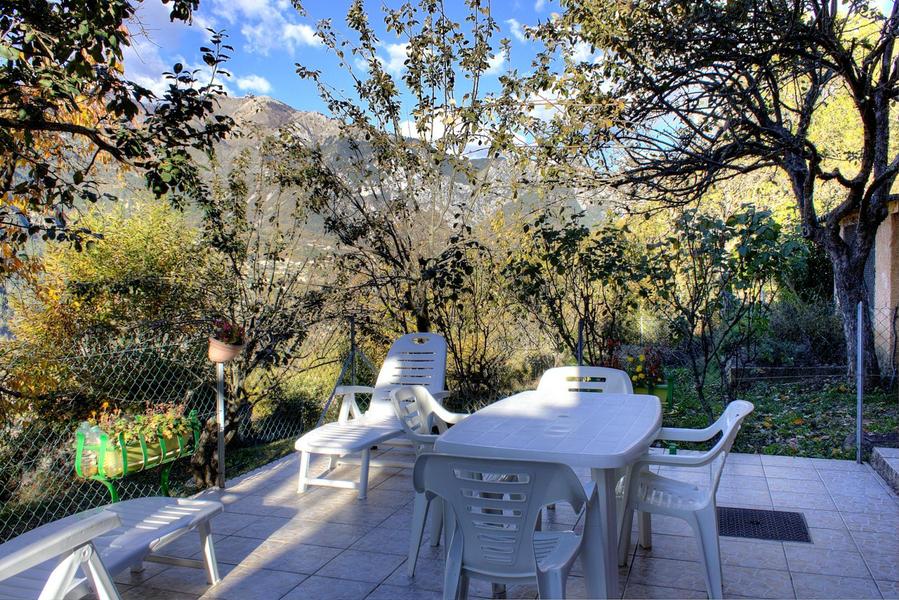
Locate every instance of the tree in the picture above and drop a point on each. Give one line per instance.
(143, 268)
(472, 312)
(565, 272)
(706, 279)
(66, 109)
(73, 309)
(395, 190)
(697, 93)
(255, 230)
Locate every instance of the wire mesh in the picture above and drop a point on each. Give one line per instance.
(44, 398)
(884, 329)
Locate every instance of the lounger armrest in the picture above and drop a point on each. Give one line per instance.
(348, 406)
(344, 390)
(48, 542)
(441, 395)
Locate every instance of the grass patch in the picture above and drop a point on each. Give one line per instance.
(794, 419)
(243, 460)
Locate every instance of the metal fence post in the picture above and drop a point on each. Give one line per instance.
(353, 350)
(220, 420)
(859, 381)
(580, 342)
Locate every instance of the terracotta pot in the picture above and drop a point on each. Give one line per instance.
(220, 352)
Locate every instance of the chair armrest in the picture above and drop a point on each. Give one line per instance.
(688, 435)
(675, 460)
(450, 418)
(440, 395)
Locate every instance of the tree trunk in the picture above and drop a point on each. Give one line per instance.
(204, 462)
(849, 289)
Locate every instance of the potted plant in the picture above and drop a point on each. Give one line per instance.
(112, 444)
(647, 375)
(226, 342)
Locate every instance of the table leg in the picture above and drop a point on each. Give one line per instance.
(600, 551)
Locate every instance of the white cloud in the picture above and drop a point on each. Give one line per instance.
(517, 30)
(580, 52)
(545, 105)
(266, 25)
(496, 63)
(301, 34)
(254, 83)
(539, 5)
(396, 58)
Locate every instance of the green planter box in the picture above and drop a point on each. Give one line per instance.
(109, 459)
(661, 390)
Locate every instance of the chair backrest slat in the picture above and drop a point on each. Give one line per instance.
(414, 359)
(585, 380)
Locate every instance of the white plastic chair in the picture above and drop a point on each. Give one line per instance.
(414, 359)
(591, 382)
(652, 493)
(585, 380)
(74, 543)
(493, 507)
(419, 413)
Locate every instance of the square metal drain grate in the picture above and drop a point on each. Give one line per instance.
(779, 525)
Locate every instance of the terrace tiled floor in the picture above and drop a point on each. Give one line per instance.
(272, 543)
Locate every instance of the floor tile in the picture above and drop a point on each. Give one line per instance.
(803, 473)
(756, 583)
(638, 590)
(786, 461)
(667, 573)
(808, 559)
(822, 519)
(884, 567)
(148, 593)
(184, 579)
(778, 484)
(831, 539)
(290, 556)
(357, 565)
(750, 553)
(317, 533)
(832, 586)
(889, 589)
(392, 592)
(254, 584)
(871, 521)
(319, 588)
(820, 501)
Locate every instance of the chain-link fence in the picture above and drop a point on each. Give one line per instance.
(884, 327)
(44, 398)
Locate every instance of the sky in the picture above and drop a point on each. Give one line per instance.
(269, 37)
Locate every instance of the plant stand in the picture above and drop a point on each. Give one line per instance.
(661, 390)
(110, 460)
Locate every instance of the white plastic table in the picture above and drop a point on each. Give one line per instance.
(602, 434)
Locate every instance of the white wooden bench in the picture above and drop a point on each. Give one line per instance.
(145, 526)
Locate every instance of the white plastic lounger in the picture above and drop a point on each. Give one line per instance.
(414, 359)
(108, 540)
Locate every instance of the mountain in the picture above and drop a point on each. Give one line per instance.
(266, 115)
